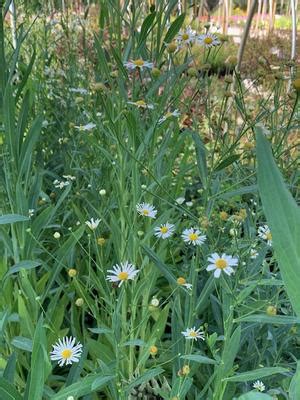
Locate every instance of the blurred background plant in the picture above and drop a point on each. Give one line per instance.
(83, 137)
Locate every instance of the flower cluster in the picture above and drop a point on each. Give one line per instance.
(189, 36)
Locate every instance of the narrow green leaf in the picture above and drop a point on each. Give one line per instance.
(160, 265)
(283, 217)
(22, 343)
(269, 319)
(8, 391)
(9, 372)
(145, 29)
(12, 218)
(255, 396)
(199, 359)
(256, 374)
(294, 389)
(228, 161)
(143, 378)
(85, 386)
(40, 365)
(174, 28)
(200, 156)
(25, 264)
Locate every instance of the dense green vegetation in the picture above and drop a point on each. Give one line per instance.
(144, 210)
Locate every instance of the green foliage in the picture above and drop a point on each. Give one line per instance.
(283, 217)
(83, 136)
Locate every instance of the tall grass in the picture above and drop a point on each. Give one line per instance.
(54, 267)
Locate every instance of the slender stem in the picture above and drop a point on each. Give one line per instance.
(2, 54)
(246, 34)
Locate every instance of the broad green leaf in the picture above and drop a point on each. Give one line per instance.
(256, 374)
(199, 359)
(269, 319)
(85, 386)
(283, 217)
(294, 389)
(12, 218)
(8, 391)
(255, 396)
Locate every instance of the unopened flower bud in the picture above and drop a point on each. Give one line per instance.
(79, 302)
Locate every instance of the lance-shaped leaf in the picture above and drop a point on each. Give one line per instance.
(283, 217)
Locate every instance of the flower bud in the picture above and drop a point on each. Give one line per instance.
(271, 310)
(171, 47)
(155, 72)
(79, 302)
(72, 272)
(153, 350)
(101, 241)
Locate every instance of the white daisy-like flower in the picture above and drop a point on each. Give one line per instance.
(139, 63)
(164, 231)
(182, 282)
(31, 212)
(180, 200)
(193, 236)
(265, 234)
(221, 263)
(168, 115)
(147, 210)
(69, 177)
(186, 36)
(208, 40)
(65, 351)
(87, 127)
(253, 253)
(193, 333)
(78, 90)
(141, 104)
(258, 385)
(60, 184)
(93, 224)
(122, 273)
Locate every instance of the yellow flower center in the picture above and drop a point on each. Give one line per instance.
(208, 40)
(146, 212)
(221, 263)
(164, 229)
(138, 63)
(193, 334)
(269, 236)
(181, 281)
(185, 36)
(123, 276)
(140, 103)
(67, 353)
(153, 350)
(193, 236)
